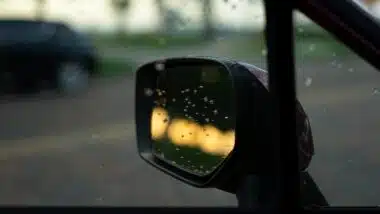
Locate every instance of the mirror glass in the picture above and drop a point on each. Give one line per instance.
(193, 118)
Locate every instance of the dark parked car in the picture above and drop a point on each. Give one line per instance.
(43, 54)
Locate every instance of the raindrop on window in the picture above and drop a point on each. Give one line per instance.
(173, 162)
(233, 6)
(201, 86)
(185, 110)
(375, 91)
(308, 81)
(211, 102)
(148, 92)
(215, 111)
(193, 105)
(177, 149)
(312, 47)
(195, 91)
(339, 65)
(182, 157)
(226, 117)
(207, 120)
(173, 99)
(161, 41)
(351, 70)
(300, 30)
(264, 52)
(205, 99)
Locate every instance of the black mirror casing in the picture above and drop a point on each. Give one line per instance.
(251, 130)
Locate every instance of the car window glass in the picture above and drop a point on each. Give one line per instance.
(25, 31)
(340, 92)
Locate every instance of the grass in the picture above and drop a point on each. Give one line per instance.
(309, 45)
(110, 68)
(146, 40)
(306, 48)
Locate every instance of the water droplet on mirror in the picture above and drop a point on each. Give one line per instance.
(160, 66)
(148, 92)
(308, 81)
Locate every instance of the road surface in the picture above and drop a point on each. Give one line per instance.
(82, 150)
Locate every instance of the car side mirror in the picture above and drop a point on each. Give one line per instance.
(202, 120)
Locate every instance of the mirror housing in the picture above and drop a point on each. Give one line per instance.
(251, 100)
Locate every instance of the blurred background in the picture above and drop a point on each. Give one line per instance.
(81, 150)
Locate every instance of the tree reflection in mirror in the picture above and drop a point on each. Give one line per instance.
(193, 119)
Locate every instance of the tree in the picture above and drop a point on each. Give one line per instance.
(162, 10)
(209, 31)
(120, 8)
(40, 9)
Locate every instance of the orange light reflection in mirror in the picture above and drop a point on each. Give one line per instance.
(159, 123)
(184, 132)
